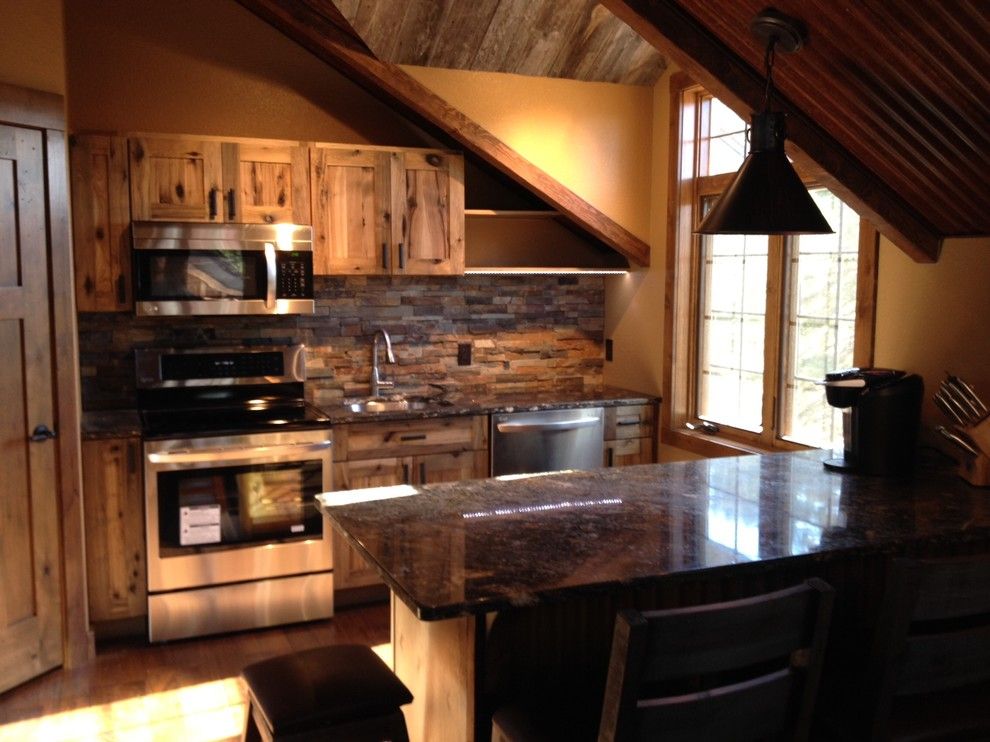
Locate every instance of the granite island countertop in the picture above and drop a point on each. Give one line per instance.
(477, 546)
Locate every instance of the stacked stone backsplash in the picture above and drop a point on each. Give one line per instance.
(527, 333)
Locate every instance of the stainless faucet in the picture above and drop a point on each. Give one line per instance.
(377, 382)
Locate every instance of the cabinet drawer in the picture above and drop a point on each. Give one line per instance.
(629, 451)
(630, 421)
(412, 437)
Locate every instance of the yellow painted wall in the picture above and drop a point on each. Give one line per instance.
(595, 138)
(32, 48)
(933, 318)
(187, 66)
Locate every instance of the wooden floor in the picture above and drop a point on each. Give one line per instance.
(182, 690)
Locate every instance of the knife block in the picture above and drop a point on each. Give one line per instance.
(976, 470)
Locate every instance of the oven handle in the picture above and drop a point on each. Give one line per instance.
(272, 274)
(234, 453)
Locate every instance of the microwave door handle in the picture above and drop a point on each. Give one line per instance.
(237, 453)
(272, 274)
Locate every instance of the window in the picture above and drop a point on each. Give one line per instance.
(756, 321)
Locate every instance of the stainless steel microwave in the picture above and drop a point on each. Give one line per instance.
(210, 269)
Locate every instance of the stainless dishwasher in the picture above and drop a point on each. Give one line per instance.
(547, 440)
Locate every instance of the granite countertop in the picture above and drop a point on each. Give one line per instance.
(477, 546)
(453, 404)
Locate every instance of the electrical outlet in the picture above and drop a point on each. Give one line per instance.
(464, 354)
(608, 349)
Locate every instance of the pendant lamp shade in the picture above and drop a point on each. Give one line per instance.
(766, 196)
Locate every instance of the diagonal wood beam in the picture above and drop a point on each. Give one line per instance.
(710, 62)
(319, 27)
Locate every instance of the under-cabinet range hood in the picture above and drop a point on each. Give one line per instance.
(532, 242)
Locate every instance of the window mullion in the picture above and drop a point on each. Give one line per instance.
(776, 270)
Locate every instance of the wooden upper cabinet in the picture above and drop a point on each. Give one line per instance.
(175, 180)
(381, 211)
(100, 221)
(350, 197)
(428, 212)
(186, 179)
(265, 183)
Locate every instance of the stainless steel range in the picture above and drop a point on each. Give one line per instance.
(233, 460)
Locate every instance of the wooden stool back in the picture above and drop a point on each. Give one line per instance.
(744, 669)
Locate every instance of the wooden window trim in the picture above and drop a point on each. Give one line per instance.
(685, 191)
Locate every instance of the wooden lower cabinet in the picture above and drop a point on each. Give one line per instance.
(114, 516)
(458, 449)
(630, 435)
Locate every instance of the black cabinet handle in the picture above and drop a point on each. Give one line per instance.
(405, 473)
(422, 472)
(42, 433)
(231, 204)
(213, 203)
(402, 257)
(413, 437)
(611, 456)
(385, 255)
(627, 422)
(121, 289)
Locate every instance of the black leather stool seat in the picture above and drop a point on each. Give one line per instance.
(345, 688)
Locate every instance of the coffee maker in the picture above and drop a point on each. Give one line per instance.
(882, 411)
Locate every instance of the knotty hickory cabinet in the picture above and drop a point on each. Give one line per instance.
(375, 210)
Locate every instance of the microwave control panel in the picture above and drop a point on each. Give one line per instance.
(294, 275)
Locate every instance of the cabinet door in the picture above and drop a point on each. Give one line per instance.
(629, 451)
(428, 212)
(350, 568)
(350, 196)
(266, 183)
(450, 467)
(100, 220)
(175, 180)
(114, 515)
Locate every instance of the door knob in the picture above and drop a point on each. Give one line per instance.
(41, 434)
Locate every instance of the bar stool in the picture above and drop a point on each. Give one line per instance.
(742, 670)
(340, 692)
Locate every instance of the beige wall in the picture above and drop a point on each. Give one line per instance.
(595, 138)
(188, 66)
(933, 318)
(32, 48)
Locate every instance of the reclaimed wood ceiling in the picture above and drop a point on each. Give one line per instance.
(890, 98)
(575, 39)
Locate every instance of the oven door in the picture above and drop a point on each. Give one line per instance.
(229, 509)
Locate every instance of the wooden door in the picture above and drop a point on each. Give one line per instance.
(175, 180)
(428, 212)
(350, 196)
(101, 221)
(114, 513)
(30, 568)
(266, 183)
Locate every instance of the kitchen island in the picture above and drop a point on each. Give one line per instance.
(509, 587)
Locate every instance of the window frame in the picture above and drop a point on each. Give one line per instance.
(683, 285)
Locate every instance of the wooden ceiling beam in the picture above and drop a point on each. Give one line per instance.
(319, 27)
(711, 63)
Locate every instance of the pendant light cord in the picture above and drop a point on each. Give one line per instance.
(768, 60)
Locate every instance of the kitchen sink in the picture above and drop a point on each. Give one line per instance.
(386, 405)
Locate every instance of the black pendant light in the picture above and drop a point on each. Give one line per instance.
(767, 196)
